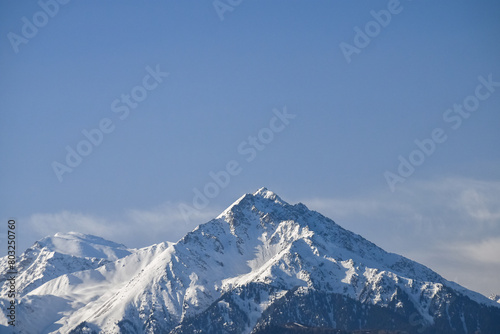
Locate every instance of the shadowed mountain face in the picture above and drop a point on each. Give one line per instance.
(261, 266)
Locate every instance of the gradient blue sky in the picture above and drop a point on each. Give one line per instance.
(352, 120)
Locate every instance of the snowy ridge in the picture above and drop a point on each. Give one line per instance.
(62, 253)
(84, 245)
(235, 273)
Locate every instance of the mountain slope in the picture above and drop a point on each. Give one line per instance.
(60, 254)
(261, 264)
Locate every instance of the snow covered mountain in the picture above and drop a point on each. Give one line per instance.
(60, 254)
(260, 265)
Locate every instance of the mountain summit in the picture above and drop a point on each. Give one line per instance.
(259, 266)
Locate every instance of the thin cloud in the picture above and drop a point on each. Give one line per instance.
(137, 228)
(485, 251)
(166, 220)
(453, 208)
(65, 221)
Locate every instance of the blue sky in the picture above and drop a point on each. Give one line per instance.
(353, 117)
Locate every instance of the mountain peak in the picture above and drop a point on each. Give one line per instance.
(265, 193)
(83, 245)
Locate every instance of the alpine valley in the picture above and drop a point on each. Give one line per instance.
(262, 266)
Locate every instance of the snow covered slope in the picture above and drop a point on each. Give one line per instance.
(261, 263)
(60, 254)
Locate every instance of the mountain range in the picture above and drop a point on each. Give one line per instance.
(261, 266)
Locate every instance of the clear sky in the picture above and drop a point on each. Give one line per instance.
(321, 102)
